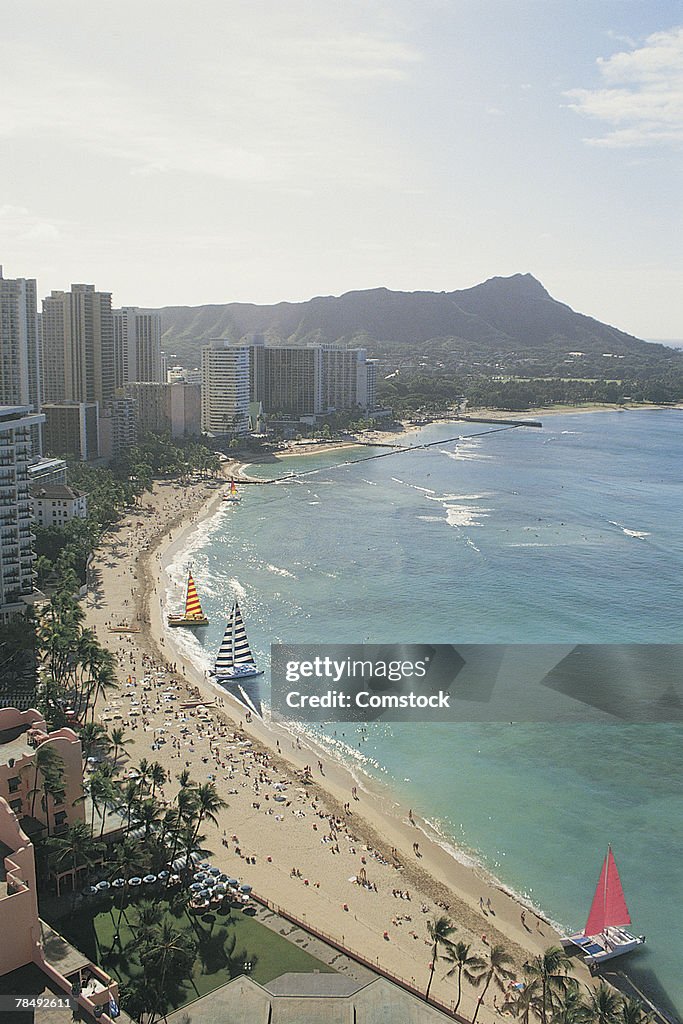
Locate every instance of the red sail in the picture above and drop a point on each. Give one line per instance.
(609, 905)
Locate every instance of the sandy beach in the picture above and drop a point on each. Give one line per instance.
(338, 853)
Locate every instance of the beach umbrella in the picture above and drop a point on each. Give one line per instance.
(163, 875)
(135, 881)
(103, 885)
(245, 888)
(196, 887)
(199, 876)
(90, 891)
(233, 882)
(204, 893)
(118, 883)
(210, 881)
(221, 889)
(149, 879)
(214, 871)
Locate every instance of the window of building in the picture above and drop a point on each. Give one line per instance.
(13, 784)
(16, 806)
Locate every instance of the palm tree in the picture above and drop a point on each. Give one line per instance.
(103, 793)
(208, 804)
(167, 950)
(571, 1008)
(604, 1005)
(144, 768)
(76, 848)
(495, 969)
(119, 741)
(548, 972)
(48, 766)
(130, 796)
(634, 1012)
(440, 931)
(149, 916)
(179, 819)
(124, 864)
(458, 954)
(93, 736)
(157, 776)
(149, 814)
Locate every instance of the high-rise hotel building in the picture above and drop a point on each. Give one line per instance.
(287, 381)
(137, 346)
(20, 348)
(77, 356)
(312, 380)
(16, 539)
(78, 346)
(225, 388)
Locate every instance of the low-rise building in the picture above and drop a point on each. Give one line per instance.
(56, 504)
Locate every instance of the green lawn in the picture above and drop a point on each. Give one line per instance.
(228, 942)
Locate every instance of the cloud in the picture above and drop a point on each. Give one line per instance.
(642, 98)
(262, 116)
(18, 224)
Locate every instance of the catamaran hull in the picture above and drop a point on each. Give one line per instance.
(188, 622)
(235, 674)
(598, 948)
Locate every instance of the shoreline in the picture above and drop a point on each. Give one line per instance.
(436, 878)
(393, 437)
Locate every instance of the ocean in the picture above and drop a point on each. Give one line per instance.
(568, 534)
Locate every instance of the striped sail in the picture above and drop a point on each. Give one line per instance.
(193, 608)
(235, 647)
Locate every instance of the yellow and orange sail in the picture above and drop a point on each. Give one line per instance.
(193, 608)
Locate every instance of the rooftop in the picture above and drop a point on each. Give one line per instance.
(54, 491)
(315, 984)
(13, 744)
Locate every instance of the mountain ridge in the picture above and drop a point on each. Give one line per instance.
(508, 315)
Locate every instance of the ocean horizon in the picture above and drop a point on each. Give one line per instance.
(569, 534)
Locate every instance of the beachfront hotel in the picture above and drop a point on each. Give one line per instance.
(287, 380)
(30, 949)
(312, 380)
(225, 388)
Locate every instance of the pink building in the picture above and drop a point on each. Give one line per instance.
(22, 733)
(23, 933)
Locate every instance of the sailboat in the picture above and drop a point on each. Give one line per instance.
(232, 494)
(234, 659)
(605, 935)
(193, 615)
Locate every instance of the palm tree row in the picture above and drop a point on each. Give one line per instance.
(548, 993)
(76, 668)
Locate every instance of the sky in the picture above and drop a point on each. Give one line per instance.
(220, 151)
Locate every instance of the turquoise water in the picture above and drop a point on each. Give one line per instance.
(570, 534)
